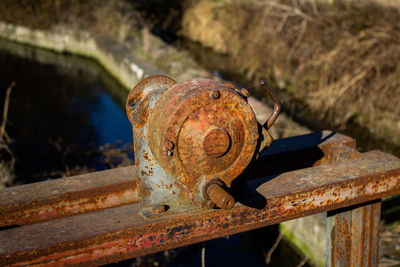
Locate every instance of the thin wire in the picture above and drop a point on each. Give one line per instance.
(203, 255)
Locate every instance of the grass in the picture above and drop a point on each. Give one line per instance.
(339, 59)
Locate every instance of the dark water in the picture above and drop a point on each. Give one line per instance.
(62, 110)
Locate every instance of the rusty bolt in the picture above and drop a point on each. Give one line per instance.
(159, 208)
(215, 94)
(220, 197)
(244, 92)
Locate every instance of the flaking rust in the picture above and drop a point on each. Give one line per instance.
(93, 219)
(192, 139)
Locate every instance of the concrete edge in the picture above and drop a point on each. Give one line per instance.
(113, 57)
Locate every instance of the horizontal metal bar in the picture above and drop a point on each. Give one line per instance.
(52, 199)
(119, 233)
(299, 152)
(325, 141)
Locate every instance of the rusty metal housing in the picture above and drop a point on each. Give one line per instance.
(192, 139)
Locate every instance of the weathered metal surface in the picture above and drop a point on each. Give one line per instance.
(139, 93)
(68, 196)
(277, 104)
(267, 138)
(194, 115)
(51, 199)
(353, 236)
(219, 196)
(119, 233)
(299, 152)
(189, 135)
(360, 177)
(150, 176)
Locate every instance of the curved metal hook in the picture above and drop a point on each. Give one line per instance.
(277, 104)
(267, 138)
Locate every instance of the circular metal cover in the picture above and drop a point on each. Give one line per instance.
(203, 129)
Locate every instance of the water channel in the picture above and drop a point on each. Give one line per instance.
(62, 112)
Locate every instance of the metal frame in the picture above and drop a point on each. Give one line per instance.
(93, 218)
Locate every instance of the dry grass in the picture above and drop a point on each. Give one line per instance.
(359, 74)
(340, 59)
(8, 160)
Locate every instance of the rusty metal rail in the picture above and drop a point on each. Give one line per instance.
(93, 218)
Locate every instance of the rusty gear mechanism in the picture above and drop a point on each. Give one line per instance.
(191, 140)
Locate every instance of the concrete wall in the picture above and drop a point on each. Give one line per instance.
(119, 62)
(309, 235)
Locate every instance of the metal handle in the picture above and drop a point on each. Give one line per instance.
(277, 104)
(267, 138)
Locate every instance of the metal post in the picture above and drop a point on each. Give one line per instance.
(353, 235)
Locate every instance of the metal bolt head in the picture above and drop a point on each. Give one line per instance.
(215, 94)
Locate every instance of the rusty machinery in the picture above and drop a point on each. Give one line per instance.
(191, 140)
